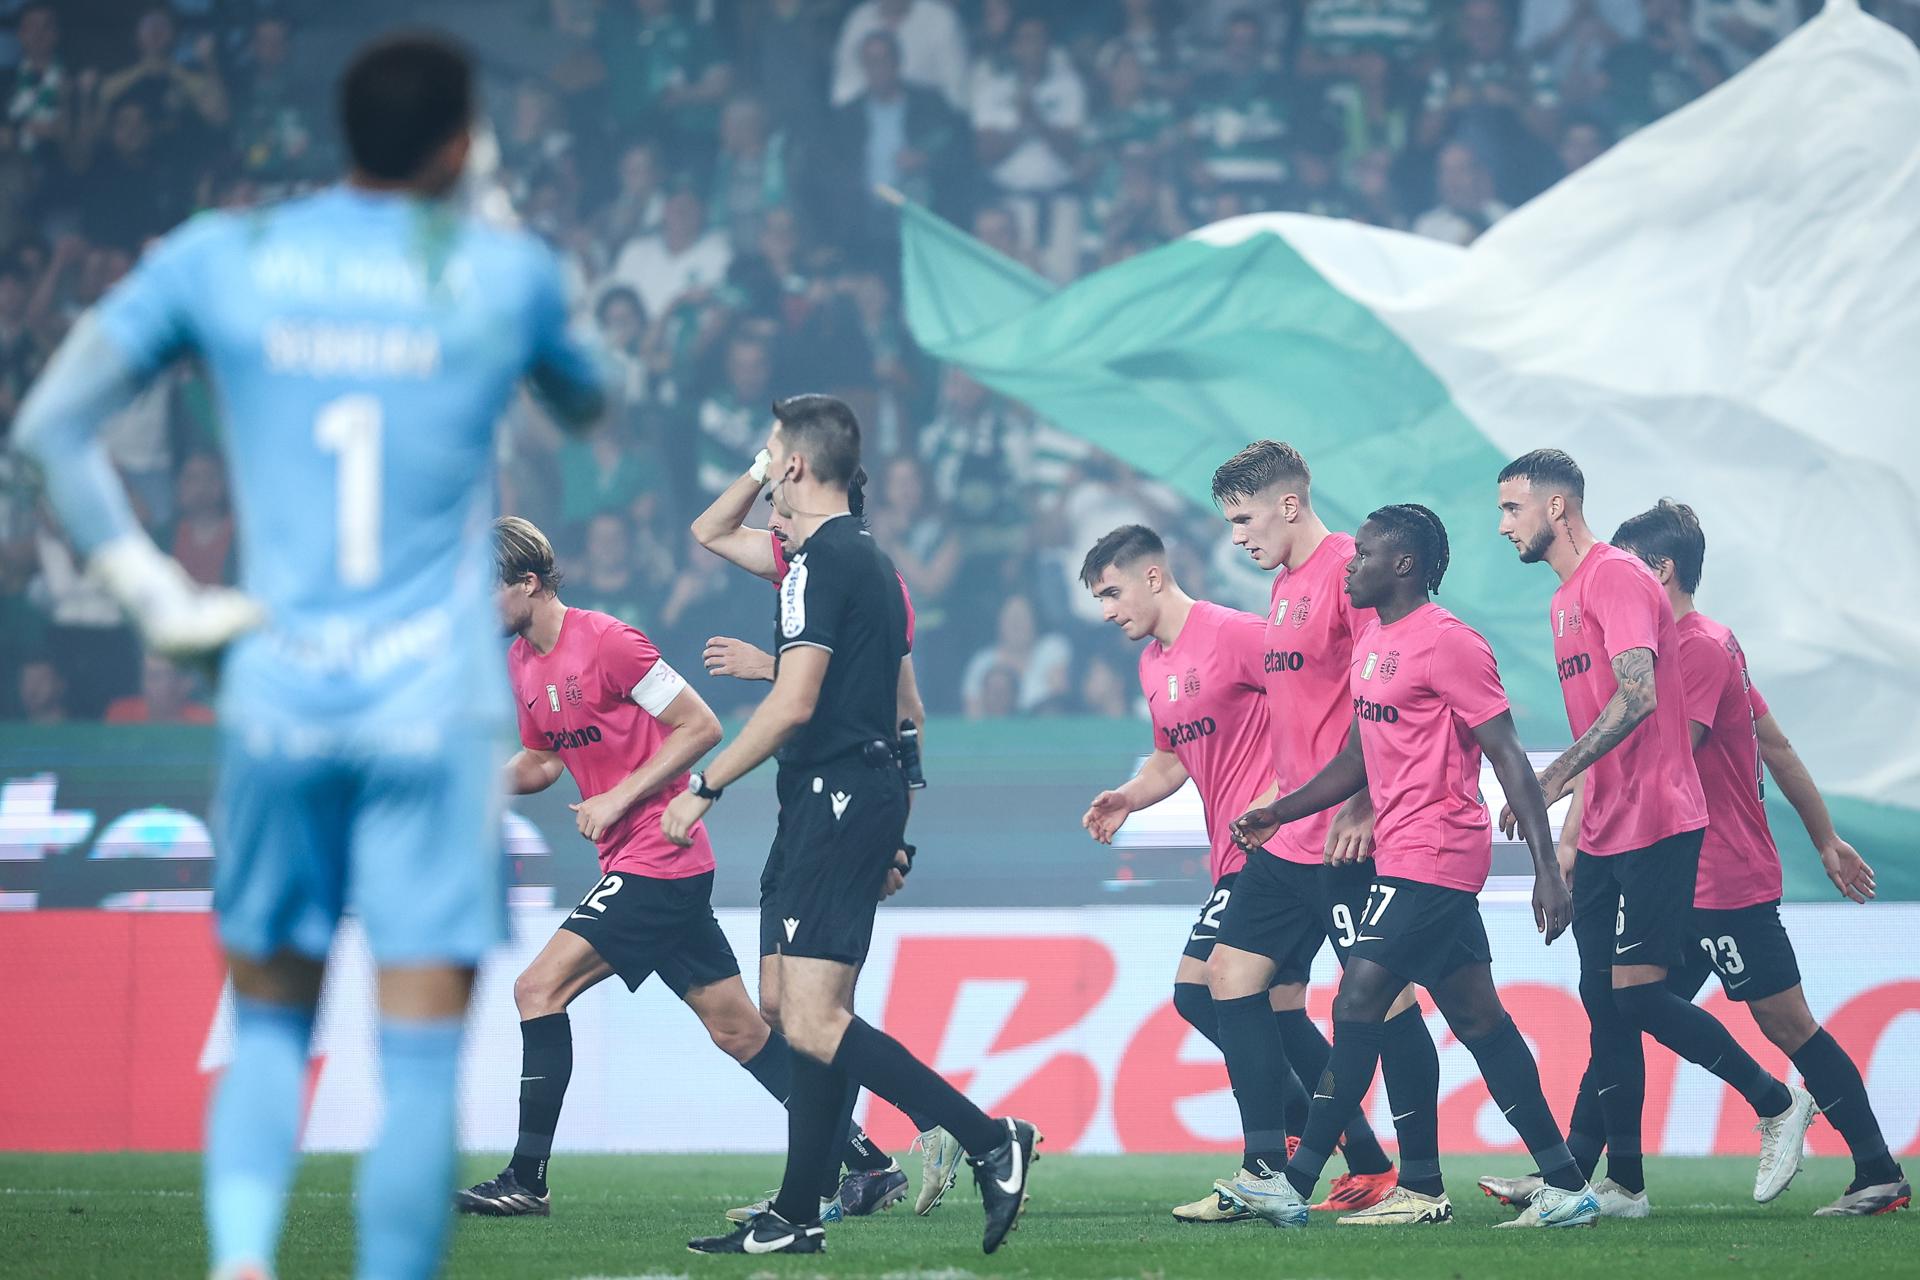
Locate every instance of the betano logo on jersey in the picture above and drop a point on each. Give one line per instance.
(1279, 660)
(1191, 731)
(1578, 664)
(571, 739)
(1376, 712)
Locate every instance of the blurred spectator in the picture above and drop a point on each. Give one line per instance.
(621, 322)
(1128, 139)
(180, 100)
(732, 418)
(39, 95)
(933, 48)
(201, 537)
(536, 138)
(606, 582)
(1487, 94)
(786, 49)
(891, 134)
(1369, 58)
(133, 188)
(1239, 114)
(1150, 40)
(1041, 664)
(996, 694)
(1741, 30)
(1573, 38)
(912, 529)
(1663, 70)
(1028, 115)
(1370, 184)
(682, 257)
(1467, 205)
(43, 692)
(894, 370)
(637, 202)
(664, 72)
(750, 176)
(975, 451)
(606, 471)
(165, 697)
(1581, 143)
(1104, 691)
(279, 109)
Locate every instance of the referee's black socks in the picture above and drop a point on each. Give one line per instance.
(546, 1065)
(875, 1059)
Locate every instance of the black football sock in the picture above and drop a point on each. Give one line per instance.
(1307, 1051)
(1256, 1066)
(829, 1182)
(1513, 1078)
(1342, 1086)
(1840, 1093)
(1410, 1068)
(814, 1129)
(1617, 1068)
(546, 1065)
(1697, 1036)
(1587, 1131)
(1195, 1003)
(875, 1059)
(773, 1066)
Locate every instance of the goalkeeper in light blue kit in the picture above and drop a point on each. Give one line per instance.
(364, 341)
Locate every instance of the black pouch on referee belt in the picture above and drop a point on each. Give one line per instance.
(907, 750)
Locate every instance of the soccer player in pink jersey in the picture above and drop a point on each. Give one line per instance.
(1736, 901)
(1205, 690)
(1427, 704)
(1642, 820)
(596, 701)
(1321, 864)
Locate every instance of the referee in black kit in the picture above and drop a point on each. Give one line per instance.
(840, 638)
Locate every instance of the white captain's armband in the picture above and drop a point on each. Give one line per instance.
(658, 688)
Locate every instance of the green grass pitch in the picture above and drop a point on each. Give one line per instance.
(1091, 1216)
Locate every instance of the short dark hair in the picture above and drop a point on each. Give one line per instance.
(1670, 532)
(1415, 529)
(404, 97)
(1259, 467)
(1548, 466)
(1122, 547)
(825, 431)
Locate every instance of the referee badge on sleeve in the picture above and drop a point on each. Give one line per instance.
(793, 598)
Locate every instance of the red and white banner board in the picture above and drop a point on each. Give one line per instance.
(117, 1025)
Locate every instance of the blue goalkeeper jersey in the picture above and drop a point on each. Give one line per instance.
(363, 346)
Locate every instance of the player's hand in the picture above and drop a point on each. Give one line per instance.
(1104, 816)
(596, 814)
(1254, 828)
(1552, 906)
(1350, 837)
(676, 822)
(1569, 856)
(896, 876)
(1848, 870)
(726, 656)
(176, 616)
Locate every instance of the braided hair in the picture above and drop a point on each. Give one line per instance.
(1414, 528)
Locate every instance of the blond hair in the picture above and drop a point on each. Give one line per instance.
(519, 549)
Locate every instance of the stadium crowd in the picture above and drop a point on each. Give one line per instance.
(706, 168)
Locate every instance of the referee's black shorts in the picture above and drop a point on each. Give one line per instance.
(841, 823)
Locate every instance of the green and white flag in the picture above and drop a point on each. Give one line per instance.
(1723, 309)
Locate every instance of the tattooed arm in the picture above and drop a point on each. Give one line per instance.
(1633, 700)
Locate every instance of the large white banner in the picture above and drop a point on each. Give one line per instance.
(1065, 1017)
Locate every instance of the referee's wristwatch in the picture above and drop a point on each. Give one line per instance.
(697, 784)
